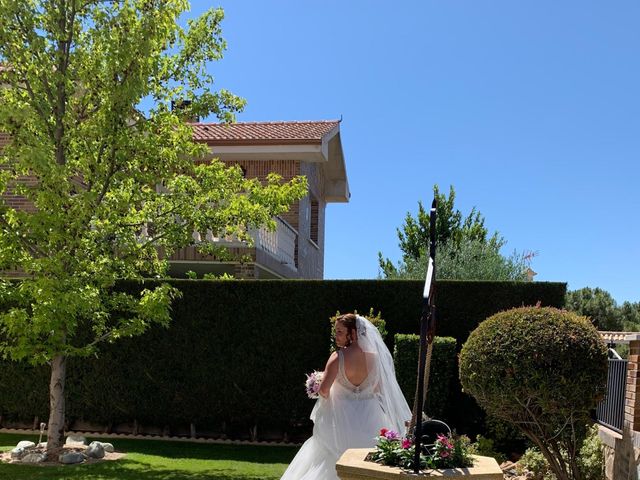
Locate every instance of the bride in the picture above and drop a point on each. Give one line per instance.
(359, 395)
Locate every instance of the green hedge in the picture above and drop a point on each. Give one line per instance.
(236, 352)
(442, 372)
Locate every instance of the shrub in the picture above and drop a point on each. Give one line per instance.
(236, 351)
(543, 370)
(590, 460)
(442, 372)
(486, 447)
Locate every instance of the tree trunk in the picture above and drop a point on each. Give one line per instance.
(55, 430)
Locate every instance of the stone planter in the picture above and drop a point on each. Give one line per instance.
(352, 466)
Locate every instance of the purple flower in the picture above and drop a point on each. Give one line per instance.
(391, 435)
(312, 384)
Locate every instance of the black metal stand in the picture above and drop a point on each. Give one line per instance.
(427, 332)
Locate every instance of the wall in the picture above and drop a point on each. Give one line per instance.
(622, 452)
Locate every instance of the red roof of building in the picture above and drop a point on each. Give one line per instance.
(266, 133)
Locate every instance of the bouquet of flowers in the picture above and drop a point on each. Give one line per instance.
(446, 452)
(312, 384)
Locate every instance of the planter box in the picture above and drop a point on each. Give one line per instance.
(352, 466)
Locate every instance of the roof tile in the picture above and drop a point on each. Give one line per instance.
(263, 132)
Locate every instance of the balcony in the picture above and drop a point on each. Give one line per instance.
(274, 250)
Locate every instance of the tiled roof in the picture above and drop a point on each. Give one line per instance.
(263, 132)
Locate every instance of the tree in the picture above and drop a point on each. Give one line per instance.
(543, 370)
(465, 250)
(110, 186)
(470, 259)
(630, 316)
(598, 305)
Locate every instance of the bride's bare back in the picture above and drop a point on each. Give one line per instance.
(355, 365)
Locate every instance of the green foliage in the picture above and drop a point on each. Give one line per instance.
(113, 190)
(204, 367)
(447, 452)
(486, 447)
(464, 250)
(469, 259)
(533, 461)
(602, 309)
(541, 369)
(504, 435)
(113, 186)
(598, 305)
(442, 372)
(590, 460)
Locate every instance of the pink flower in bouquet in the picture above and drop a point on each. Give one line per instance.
(406, 443)
(312, 384)
(383, 431)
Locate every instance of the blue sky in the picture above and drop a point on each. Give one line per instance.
(530, 109)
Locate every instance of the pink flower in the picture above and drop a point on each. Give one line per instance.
(383, 431)
(444, 453)
(406, 443)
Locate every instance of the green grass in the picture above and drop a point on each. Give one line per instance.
(160, 460)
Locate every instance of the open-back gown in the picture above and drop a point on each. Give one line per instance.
(350, 417)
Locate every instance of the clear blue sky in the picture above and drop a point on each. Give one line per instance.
(530, 109)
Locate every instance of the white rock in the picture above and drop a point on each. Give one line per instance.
(25, 444)
(34, 458)
(76, 440)
(71, 457)
(17, 452)
(95, 450)
(108, 447)
(42, 445)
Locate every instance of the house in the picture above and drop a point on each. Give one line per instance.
(296, 248)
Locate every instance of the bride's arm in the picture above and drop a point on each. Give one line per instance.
(330, 372)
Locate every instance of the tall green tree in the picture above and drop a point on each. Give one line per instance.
(603, 310)
(111, 186)
(465, 248)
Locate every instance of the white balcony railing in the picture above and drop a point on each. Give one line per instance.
(280, 243)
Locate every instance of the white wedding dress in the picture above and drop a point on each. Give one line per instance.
(352, 416)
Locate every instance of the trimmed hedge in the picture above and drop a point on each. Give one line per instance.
(236, 352)
(442, 372)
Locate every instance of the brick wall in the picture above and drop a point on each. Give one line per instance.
(622, 451)
(9, 198)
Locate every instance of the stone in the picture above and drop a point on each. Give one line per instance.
(34, 458)
(108, 447)
(75, 440)
(25, 444)
(42, 445)
(17, 453)
(95, 450)
(352, 466)
(71, 458)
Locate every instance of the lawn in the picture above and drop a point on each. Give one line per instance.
(159, 460)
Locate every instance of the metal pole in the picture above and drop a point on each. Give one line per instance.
(427, 331)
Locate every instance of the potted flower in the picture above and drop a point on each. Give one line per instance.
(393, 457)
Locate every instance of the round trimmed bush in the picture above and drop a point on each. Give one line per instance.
(542, 369)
